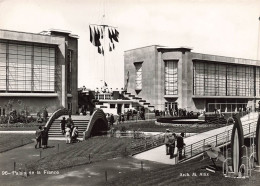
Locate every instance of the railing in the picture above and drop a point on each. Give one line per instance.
(216, 140)
(127, 134)
(54, 116)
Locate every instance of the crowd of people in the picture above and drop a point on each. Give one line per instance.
(67, 127)
(41, 136)
(69, 130)
(170, 140)
(127, 116)
(178, 112)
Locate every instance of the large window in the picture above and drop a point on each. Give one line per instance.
(213, 79)
(258, 81)
(240, 80)
(27, 68)
(138, 76)
(171, 78)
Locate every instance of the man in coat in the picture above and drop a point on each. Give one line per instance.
(62, 125)
(112, 119)
(38, 137)
(166, 141)
(180, 144)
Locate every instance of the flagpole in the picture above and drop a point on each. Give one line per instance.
(104, 36)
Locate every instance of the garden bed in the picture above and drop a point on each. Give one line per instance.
(150, 126)
(11, 141)
(92, 150)
(20, 126)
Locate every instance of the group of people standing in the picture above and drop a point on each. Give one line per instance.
(41, 136)
(70, 131)
(170, 140)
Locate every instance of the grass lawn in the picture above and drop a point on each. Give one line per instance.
(173, 175)
(11, 141)
(21, 126)
(150, 126)
(99, 148)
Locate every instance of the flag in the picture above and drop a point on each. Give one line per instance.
(92, 35)
(97, 37)
(90, 32)
(115, 35)
(105, 84)
(102, 34)
(99, 50)
(110, 49)
(110, 35)
(102, 50)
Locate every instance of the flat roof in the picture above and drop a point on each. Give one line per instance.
(210, 57)
(48, 32)
(4, 30)
(143, 47)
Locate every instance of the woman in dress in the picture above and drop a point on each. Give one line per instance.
(67, 134)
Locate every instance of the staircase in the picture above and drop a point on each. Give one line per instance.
(139, 101)
(80, 121)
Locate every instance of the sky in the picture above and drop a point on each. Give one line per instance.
(218, 27)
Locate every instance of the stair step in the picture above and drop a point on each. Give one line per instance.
(146, 103)
(142, 101)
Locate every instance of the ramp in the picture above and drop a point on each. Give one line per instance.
(195, 144)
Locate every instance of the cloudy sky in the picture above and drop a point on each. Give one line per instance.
(220, 27)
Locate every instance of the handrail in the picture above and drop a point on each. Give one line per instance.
(218, 139)
(54, 116)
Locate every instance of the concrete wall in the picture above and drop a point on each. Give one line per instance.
(153, 90)
(147, 55)
(33, 104)
(73, 45)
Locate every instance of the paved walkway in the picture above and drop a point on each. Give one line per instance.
(158, 154)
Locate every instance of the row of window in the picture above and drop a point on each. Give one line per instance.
(25, 67)
(210, 79)
(223, 80)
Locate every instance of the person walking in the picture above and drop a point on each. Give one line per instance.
(75, 134)
(38, 136)
(62, 125)
(119, 119)
(69, 120)
(171, 142)
(67, 134)
(166, 141)
(123, 118)
(112, 119)
(45, 114)
(44, 138)
(180, 144)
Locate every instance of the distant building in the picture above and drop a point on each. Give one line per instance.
(39, 70)
(112, 102)
(173, 78)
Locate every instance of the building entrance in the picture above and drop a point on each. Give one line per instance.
(119, 108)
(171, 106)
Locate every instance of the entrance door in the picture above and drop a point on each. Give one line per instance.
(70, 107)
(171, 106)
(119, 108)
